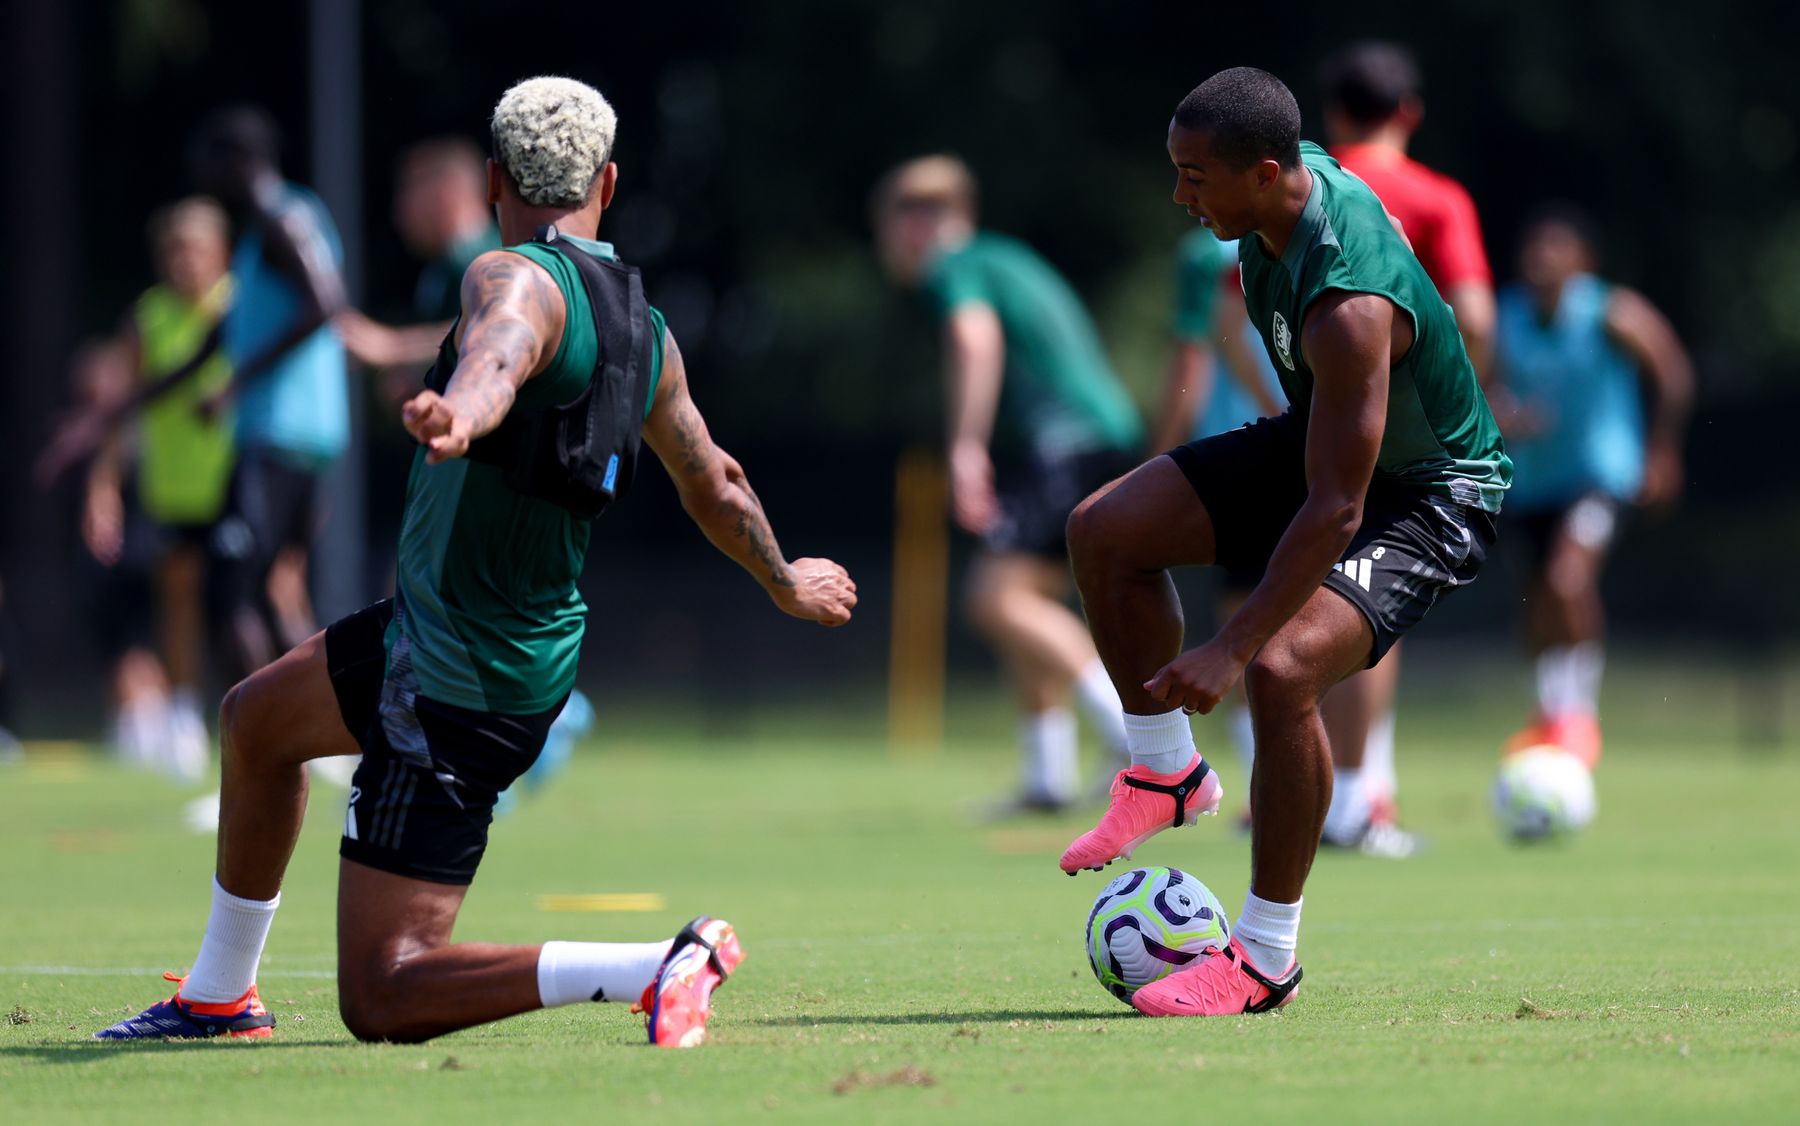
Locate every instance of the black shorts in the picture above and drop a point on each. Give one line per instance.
(274, 503)
(423, 797)
(1037, 494)
(1412, 548)
(1591, 520)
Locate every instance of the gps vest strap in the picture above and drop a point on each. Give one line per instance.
(582, 454)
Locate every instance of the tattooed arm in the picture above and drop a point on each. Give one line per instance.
(512, 321)
(718, 497)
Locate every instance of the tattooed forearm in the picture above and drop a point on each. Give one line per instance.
(753, 526)
(510, 306)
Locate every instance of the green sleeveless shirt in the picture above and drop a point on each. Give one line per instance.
(1440, 435)
(487, 614)
(184, 458)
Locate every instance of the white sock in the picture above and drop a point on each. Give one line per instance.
(1269, 933)
(1164, 743)
(1568, 679)
(1099, 701)
(1379, 779)
(596, 971)
(1242, 729)
(1348, 814)
(1047, 739)
(225, 968)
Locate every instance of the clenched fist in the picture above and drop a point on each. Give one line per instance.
(429, 419)
(821, 592)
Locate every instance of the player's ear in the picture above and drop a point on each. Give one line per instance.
(494, 182)
(1410, 113)
(1267, 173)
(609, 183)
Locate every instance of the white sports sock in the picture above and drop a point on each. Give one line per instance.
(1568, 679)
(1348, 814)
(1099, 701)
(1269, 933)
(225, 968)
(1047, 740)
(568, 972)
(1242, 729)
(1164, 743)
(1379, 779)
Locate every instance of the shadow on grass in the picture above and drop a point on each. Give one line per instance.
(990, 1016)
(98, 1051)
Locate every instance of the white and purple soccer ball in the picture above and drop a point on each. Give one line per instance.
(1147, 924)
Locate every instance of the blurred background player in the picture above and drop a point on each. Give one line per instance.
(288, 387)
(1579, 358)
(1373, 106)
(153, 497)
(1219, 378)
(1036, 421)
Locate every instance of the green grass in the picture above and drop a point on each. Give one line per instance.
(906, 962)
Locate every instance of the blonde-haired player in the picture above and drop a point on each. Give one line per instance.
(448, 689)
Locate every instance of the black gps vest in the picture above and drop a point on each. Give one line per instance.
(581, 455)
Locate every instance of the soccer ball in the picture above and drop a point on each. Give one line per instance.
(1148, 923)
(1543, 791)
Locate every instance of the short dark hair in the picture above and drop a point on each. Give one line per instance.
(1250, 115)
(1368, 81)
(242, 130)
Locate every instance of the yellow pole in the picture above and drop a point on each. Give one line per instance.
(921, 584)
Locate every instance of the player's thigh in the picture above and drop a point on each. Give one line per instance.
(1149, 519)
(287, 712)
(998, 574)
(385, 918)
(1577, 548)
(1326, 642)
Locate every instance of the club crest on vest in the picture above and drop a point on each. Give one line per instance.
(1284, 341)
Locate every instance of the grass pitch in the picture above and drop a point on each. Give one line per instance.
(906, 961)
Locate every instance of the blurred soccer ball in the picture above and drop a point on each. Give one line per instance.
(1149, 923)
(1543, 791)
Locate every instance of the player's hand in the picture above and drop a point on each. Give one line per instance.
(434, 425)
(1197, 680)
(103, 525)
(972, 499)
(821, 592)
(370, 343)
(1662, 479)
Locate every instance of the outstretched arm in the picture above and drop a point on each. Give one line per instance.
(512, 322)
(1664, 365)
(294, 246)
(718, 497)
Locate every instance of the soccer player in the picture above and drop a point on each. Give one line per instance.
(1036, 421)
(288, 383)
(1370, 498)
(182, 465)
(1373, 106)
(449, 688)
(1579, 358)
(441, 212)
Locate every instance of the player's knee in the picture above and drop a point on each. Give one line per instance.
(231, 720)
(375, 1008)
(1095, 533)
(1279, 676)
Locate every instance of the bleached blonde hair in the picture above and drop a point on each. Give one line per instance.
(553, 136)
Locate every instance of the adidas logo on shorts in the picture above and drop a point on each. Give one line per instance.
(1357, 569)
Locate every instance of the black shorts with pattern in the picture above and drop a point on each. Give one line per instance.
(423, 797)
(1412, 548)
